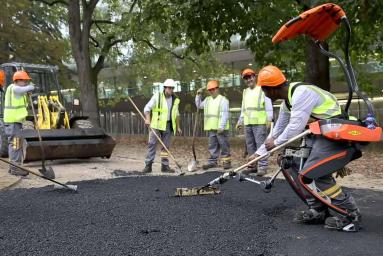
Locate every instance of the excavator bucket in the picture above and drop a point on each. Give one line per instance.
(67, 143)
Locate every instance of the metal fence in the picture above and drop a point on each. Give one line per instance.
(129, 123)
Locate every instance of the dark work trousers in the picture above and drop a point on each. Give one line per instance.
(325, 158)
(153, 141)
(15, 146)
(255, 136)
(218, 145)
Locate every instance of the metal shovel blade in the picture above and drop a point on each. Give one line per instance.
(47, 172)
(192, 165)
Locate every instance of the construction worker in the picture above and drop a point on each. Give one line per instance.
(165, 120)
(311, 180)
(216, 122)
(256, 112)
(15, 112)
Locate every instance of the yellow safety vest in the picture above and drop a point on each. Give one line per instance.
(15, 109)
(160, 113)
(212, 113)
(253, 105)
(329, 107)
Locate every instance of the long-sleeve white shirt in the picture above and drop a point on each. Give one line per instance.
(20, 91)
(290, 124)
(224, 114)
(268, 108)
(153, 102)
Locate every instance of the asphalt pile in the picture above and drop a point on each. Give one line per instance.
(141, 216)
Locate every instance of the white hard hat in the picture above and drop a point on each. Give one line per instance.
(169, 83)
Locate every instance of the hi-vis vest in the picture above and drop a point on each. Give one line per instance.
(212, 113)
(160, 113)
(329, 107)
(15, 109)
(253, 105)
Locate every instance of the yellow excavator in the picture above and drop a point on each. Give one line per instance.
(63, 134)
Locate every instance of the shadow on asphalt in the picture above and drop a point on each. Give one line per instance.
(140, 216)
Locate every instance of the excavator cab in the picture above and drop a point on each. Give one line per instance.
(64, 134)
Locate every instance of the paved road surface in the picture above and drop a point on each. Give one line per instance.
(140, 216)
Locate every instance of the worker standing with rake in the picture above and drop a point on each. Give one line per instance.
(256, 113)
(165, 121)
(15, 112)
(312, 180)
(216, 122)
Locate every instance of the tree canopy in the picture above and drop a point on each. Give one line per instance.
(30, 33)
(174, 37)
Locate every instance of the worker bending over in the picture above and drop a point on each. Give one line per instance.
(312, 181)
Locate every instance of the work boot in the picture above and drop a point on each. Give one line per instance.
(311, 216)
(147, 169)
(226, 165)
(18, 172)
(261, 171)
(167, 169)
(209, 165)
(345, 223)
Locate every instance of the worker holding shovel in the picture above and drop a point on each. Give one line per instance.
(216, 122)
(256, 113)
(15, 112)
(165, 121)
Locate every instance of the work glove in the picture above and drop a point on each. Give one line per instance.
(200, 90)
(342, 172)
(269, 143)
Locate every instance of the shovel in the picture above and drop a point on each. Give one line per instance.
(57, 185)
(45, 171)
(158, 138)
(192, 165)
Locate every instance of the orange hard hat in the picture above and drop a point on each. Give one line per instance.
(2, 78)
(247, 72)
(21, 75)
(270, 76)
(212, 84)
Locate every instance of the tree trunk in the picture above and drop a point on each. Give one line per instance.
(317, 69)
(79, 31)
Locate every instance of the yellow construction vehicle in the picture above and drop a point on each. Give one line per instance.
(63, 134)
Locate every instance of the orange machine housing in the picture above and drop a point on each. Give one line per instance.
(319, 23)
(346, 131)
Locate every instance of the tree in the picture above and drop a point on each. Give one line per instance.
(95, 32)
(31, 34)
(207, 24)
(97, 29)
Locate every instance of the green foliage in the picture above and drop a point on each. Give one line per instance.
(208, 26)
(30, 33)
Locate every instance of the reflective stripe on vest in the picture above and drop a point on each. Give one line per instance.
(329, 107)
(160, 113)
(253, 104)
(212, 113)
(15, 109)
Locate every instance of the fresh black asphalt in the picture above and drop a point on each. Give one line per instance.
(140, 216)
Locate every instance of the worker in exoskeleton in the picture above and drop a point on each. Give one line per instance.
(311, 178)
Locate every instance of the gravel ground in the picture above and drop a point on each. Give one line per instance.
(140, 216)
